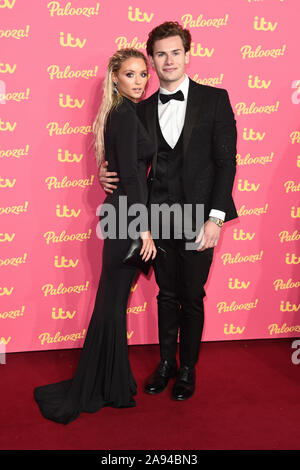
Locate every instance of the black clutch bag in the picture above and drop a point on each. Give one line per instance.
(133, 257)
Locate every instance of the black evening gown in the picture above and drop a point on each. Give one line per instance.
(103, 376)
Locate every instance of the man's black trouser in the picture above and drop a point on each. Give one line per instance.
(181, 275)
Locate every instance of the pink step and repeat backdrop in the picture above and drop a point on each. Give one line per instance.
(53, 56)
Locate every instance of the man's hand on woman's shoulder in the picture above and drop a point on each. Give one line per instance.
(106, 178)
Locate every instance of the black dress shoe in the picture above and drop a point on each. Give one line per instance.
(158, 381)
(184, 385)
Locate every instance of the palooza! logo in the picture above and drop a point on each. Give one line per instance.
(295, 137)
(55, 72)
(49, 289)
(233, 307)
(291, 186)
(53, 182)
(284, 329)
(17, 96)
(253, 108)
(285, 236)
(137, 309)
(55, 9)
(122, 43)
(59, 338)
(190, 22)
(248, 160)
(212, 81)
(55, 129)
(13, 313)
(14, 209)
(15, 33)
(64, 237)
(252, 211)
(289, 284)
(14, 261)
(228, 258)
(258, 53)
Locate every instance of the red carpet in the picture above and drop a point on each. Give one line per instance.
(247, 397)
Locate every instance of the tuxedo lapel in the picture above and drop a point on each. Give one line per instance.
(195, 96)
(192, 108)
(151, 116)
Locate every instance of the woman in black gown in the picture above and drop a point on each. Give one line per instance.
(103, 376)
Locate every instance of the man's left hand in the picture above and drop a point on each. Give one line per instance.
(209, 235)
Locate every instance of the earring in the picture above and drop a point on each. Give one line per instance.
(115, 87)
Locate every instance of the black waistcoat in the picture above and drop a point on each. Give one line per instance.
(167, 185)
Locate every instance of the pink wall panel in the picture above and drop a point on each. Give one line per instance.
(52, 63)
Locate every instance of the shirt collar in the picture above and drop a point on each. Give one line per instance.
(184, 87)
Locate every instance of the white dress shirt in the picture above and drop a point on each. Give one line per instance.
(171, 117)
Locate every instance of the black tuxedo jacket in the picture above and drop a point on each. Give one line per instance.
(209, 147)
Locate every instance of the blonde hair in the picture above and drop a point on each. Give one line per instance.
(110, 98)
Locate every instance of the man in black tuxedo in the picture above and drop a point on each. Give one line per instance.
(194, 132)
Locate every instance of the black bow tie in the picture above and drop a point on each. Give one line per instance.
(175, 96)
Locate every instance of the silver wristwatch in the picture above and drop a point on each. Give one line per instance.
(217, 221)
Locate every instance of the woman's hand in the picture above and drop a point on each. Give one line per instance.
(148, 248)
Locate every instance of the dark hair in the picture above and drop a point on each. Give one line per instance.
(166, 30)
